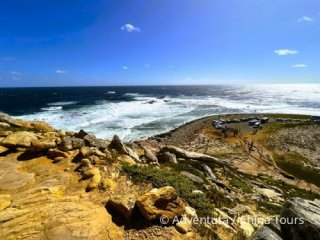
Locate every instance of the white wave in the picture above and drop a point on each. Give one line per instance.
(62, 103)
(136, 119)
(51, 108)
(111, 92)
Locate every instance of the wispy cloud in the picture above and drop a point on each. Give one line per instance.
(147, 65)
(284, 52)
(305, 19)
(125, 68)
(130, 28)
(16, 75)
(60, 71)
(300, 65)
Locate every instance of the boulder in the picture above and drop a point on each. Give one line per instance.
(54, 153)
(164, 157)
(84, 152)
(95, 177)
(192, 177)
(92, 141)
(5, 133)
(265, 233)
(161, 202)
(122, 204)
(108, 184)
(90, 173)
(42, 144)
(4, 125)
(19, 139)
(126, 160)
(36, 126)
(94, 183)
(192, 155)
(150, 156)
(184, 225)
(40, 126)
(70, 143)
(303, 219)
(81, 134)
(270, 194)
(85, 163)
(118, 145)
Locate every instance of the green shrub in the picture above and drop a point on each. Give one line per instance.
(167, 177)
(238, 183)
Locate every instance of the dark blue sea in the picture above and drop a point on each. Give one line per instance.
(139, 112)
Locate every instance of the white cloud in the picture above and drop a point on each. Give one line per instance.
(300, 65)
(305, 19)
(14, 73)
(130, 28)
(125, 68)
(283, 52)
(59, 71)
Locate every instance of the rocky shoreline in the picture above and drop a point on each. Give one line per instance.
(56, 184)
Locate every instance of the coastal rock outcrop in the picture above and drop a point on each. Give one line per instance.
(161, 202)
(19, 139)
(303, 219)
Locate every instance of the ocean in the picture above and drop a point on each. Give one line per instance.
(138, 112)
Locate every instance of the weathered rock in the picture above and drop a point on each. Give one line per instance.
(5, 201)
(122, 204)
(54, 153)
(19, 139)
(126, 160)
(198, 192)
(167, 157)
(160, 202)
(265, 233)
(42, 144)
(92, 141)
(33, 214)
(150, 156)
(184, 225)
(37, 126)
(3, 149)
(108, 184)
(95, 177)
(303, 219)
(10, 175)
(270, 194)
(84, 152)
(70, 143)
(117, 144)
(94, 183)
(5, 133)
(81, 134)
(98, 153)
(66, 144)
(192, 177)
(85, 163)
(245, 225)
(4, 125)
(208, 172)
(191, 155)
(90, 173)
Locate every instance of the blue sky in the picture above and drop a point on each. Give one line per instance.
(155, 42)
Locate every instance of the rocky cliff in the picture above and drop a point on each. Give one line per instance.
(66, 185)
